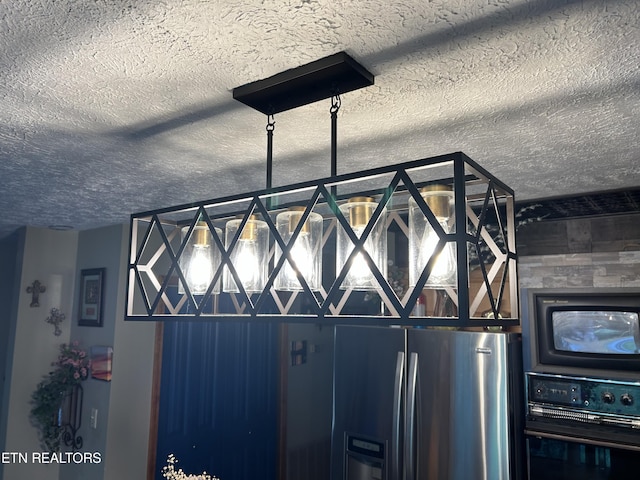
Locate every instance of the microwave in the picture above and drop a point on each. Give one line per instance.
(586, 332)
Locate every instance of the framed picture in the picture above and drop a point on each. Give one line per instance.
(91, 284)
(101, 358)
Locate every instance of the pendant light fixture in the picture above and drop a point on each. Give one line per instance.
(340, 249)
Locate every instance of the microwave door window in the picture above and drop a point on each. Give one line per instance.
(592, 332)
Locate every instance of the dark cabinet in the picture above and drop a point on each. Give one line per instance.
(218, 409)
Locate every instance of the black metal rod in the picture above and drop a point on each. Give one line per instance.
(334, 143)
(462, 237)
(270, 128)
(269, 159)
(335, 106)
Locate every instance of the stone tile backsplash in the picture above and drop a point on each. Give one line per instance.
(602, 269)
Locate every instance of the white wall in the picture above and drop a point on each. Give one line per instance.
(129, 408)
(49, 256)
(123, 404)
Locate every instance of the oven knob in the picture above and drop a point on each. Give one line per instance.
(626, 399)
(541, 390)
(608, 397)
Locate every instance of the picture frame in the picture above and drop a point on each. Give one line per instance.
(101, 361)
(91, 293)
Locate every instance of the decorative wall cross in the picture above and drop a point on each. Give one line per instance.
(55, 318)
(35, 289)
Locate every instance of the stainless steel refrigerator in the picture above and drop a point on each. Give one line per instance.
(426, 404)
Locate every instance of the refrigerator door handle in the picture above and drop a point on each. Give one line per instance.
(410, 431)
(397, 415)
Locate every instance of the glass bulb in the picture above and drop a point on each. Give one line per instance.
(358, 211)
(423, 238)
(302, 255)
(199, 260)
(249, 256)
(443, 272)
(360, 273)
(245, 259)
(306, 252)
(200, 270)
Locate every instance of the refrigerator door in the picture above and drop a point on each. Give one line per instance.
(461, 423)
(367, 405)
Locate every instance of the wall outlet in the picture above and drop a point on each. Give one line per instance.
(94, 418)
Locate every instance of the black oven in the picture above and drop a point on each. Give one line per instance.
(582, 380)
(561, 459)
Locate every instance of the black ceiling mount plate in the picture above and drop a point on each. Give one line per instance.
(318, 80)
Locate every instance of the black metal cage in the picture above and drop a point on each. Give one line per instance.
(482, 236)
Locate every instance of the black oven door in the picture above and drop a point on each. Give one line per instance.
(558, 458)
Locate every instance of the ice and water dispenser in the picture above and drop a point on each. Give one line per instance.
(365, 458)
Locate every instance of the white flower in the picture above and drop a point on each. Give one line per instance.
(170, 473)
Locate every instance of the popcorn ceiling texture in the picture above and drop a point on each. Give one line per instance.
(114, 107)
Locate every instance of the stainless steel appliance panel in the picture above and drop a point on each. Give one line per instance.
(368, 378)
(438, 404)
(461, 425)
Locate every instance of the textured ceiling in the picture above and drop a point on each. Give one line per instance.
(110, 107)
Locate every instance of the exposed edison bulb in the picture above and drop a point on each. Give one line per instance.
(249, 256)
(359, 272)
(358, 212)
(306, 251)
(301, 253)
(444, 268)
(423, 238)
(245, 259)
(200, 270)
(199, 260)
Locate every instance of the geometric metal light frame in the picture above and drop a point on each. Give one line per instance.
(486, 293)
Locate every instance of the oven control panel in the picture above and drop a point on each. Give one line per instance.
(586, 400)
